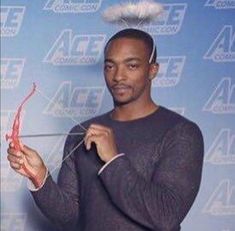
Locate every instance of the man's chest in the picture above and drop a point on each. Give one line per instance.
(143, 154)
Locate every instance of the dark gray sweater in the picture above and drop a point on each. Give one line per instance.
(151, 187)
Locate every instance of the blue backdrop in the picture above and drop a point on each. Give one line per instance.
(58, 44)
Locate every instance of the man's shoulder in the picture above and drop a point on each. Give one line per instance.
(172, 117)
(177, 122)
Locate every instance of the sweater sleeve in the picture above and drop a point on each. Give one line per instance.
(162, 202)
(59, 201)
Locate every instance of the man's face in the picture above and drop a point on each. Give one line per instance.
(127, 70)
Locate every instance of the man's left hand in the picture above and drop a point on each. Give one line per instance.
(104, 140)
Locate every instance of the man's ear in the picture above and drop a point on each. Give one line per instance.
(154, 67)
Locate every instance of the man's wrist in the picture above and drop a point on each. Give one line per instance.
(32, 187)
(107, 163)
(39, 178)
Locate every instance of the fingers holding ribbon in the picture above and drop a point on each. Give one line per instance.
(104, 139)
(16, 159)
(27, 162)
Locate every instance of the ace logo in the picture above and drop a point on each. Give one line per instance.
(222, 150)
(11, 72)
(73, 6)
(222, 48)
(170, 21)
(221, 4)
(11, 20)
(221, 202)
(70, 49)
(222, 100)
(170, 71)
(77, 102)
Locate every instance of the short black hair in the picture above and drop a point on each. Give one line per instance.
(136, 34)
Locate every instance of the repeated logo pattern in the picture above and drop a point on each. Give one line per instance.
(59, 45)
(76, 102)
(69, 49)
(70, 6)
(171, 20)
(222, 48)
(11, 20)
(11, 72)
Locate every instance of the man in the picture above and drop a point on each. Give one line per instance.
(140, 165)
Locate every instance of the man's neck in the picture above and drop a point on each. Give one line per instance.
(127, 112)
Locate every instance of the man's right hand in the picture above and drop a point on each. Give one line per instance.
(32, 161)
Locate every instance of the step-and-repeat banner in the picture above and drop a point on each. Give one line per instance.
(58, 45)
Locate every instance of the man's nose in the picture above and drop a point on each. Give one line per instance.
(119, 74)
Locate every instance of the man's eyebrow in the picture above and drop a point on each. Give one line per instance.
(109, 60)
(132, 59)
(125, 60)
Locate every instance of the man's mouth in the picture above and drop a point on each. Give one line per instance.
(120, 89)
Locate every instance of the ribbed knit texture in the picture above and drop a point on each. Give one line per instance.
(151, 187)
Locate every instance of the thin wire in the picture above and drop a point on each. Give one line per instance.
(141, 21)
(137, 26)
(77, 146)
(51, 134)
(70, 153)
(152, 54)
(125, 22)
(60, 107)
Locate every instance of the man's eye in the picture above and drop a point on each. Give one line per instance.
(132, 66)
(108, 67)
